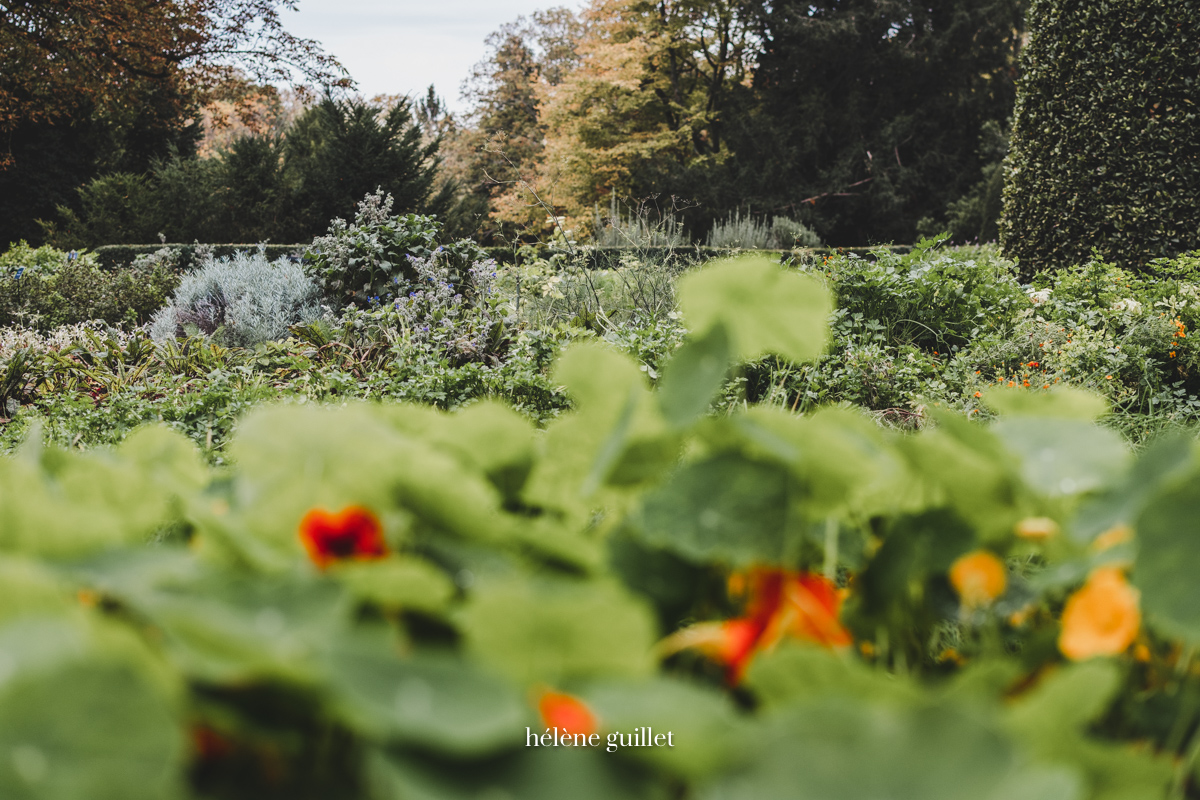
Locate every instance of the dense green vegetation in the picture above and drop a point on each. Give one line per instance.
(381, 517)
(376, 600)
(1106, 134)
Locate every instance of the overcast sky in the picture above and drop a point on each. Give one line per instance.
(402, 46)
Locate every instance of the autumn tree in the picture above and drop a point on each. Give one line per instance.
(91, 87)
(499, 151)
(60, 53)
(648, 108)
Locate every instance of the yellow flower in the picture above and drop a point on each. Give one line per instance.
(1037, 528)
(1102, 618)
(979, 578)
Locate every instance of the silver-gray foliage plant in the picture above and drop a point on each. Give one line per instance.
(244, 300)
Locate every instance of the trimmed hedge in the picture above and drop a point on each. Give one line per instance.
(117, 256)
(1105, 147)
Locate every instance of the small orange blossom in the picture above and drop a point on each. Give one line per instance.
(979, 578)
(1101, 618)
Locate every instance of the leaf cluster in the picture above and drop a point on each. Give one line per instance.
(149, 602)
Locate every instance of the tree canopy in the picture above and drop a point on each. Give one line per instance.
(60, 54)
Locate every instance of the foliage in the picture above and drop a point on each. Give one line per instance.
(241, 301)
(45, 288)
(59, 53)
(283, 187)
(461, 321)
(1107, 103)
(368, 260)
(780, 233)
(643, 228)
(504, 139)
(386, 601)
(340, 150)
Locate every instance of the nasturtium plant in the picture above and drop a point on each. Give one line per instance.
(386, 601)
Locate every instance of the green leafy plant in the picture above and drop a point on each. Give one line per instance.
(381, 600)
(368, 261)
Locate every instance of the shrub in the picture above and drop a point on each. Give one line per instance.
(781, 233)
(935, 299)
(45, 288)
(1108, 104)
(241, 300)
(368, 261)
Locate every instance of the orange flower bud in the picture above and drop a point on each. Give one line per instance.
(1101, 618)
(1037, 528)
(979, 578)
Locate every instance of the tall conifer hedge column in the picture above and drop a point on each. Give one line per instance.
(1106, 141)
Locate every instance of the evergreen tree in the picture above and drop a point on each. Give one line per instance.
(870, 111)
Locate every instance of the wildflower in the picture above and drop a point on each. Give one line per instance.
(1108, 377)
(1025, 383)
(979, 578)
(567, 713)
(1037, 528)
(1101, 618)
(1172, 354)
(979, 394)
(352, 533)
(1033, 363)
(781, 603)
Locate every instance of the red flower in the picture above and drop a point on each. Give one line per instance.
(566, 712)
(352, 533)
(780, 603)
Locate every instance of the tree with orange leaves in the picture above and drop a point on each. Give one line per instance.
(60, 55)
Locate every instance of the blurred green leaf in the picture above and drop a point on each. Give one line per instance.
(727, 508)
(531, 774)
(398, 582)
(801, 672)
(76, 723)
(1064, 456)
(1051, 722)
(693, 377)
(435, 701)
(1162, 463)
(547, 629)
(763, 307)
(1064, 403)
(1168, 560)
(708, 735)
(839, 749)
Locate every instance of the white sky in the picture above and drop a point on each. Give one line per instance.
(402, 46)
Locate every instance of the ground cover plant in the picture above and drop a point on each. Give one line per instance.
(389, 601)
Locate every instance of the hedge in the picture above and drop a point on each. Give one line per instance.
(117, 256)
(1105, 147)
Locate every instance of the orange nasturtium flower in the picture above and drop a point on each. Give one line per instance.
(567, 713)
(979, 578)
(1101, 618)
(352, 533)
(780, 603)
